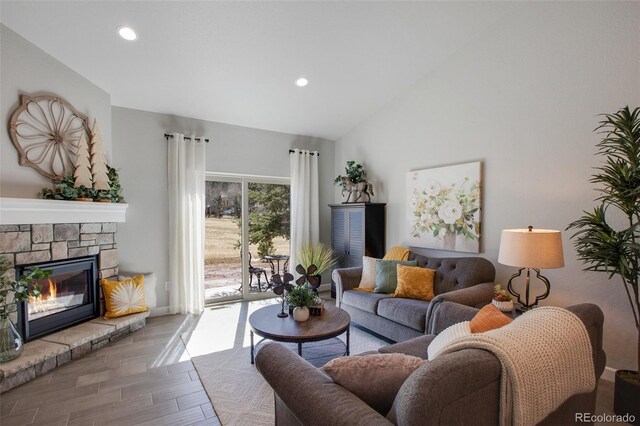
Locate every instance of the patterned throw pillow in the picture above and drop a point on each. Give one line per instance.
(387, 274)
(415, 282)
(489, 318)
(368, 280)
(124, 297)
(376, 378)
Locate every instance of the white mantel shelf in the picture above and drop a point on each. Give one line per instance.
(26, 211)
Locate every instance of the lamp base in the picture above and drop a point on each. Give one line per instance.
(526, 305)
(520, 308)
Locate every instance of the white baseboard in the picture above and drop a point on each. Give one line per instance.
(325, 287)
(159, 311)
(609, 374)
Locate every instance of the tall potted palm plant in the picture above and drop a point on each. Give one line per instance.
(604, 242)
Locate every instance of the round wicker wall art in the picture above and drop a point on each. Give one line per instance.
(45, 130)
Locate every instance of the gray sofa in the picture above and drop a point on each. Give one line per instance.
(464, 280)
(458, 388)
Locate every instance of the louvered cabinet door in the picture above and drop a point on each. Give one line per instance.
(355, 237)
(339, 236)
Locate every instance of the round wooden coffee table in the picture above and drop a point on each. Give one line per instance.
(265, 323)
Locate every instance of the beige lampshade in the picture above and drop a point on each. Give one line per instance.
(536, 248)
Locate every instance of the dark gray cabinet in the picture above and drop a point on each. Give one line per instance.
(357, 230)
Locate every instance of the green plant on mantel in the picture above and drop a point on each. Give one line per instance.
(115, 191)
(13, 291)
(65, 189)
(600, 244)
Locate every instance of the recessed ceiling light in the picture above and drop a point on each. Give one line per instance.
(301, 82)
(127, 33)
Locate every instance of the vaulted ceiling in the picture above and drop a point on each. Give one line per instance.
(236, 62)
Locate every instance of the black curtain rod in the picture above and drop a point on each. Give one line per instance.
(167, 136)
(292, 151)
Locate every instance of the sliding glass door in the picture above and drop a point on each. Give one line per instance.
(247, 222)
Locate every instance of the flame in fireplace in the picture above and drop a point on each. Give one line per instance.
(46, 298)
(53, 290)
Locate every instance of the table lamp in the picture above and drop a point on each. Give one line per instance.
(530, 249)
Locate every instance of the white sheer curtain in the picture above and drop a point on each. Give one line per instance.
(186, 224)
(305, 205)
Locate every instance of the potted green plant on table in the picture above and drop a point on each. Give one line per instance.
(314, 259)
(301, 297)
(13, 292)
(502, 299)
(604, 242)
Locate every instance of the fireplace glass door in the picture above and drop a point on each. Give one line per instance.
(59, 293)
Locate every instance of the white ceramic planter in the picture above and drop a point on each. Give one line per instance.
(301, 313)
(503, 306)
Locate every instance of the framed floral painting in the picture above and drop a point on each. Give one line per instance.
(444, 207)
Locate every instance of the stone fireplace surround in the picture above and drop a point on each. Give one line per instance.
(24, 244)
(62, 230)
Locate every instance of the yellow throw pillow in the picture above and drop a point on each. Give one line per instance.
(124, 297)
(368, 280)
(415, 282)
(397, 253)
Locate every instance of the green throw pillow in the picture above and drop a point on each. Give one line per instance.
(387, 274)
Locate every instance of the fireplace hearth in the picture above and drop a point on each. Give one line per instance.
(69, 296)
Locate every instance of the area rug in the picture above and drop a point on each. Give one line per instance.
(239, 394)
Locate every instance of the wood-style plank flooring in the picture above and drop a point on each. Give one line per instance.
(147, 378)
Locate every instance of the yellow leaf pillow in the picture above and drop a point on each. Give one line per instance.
(124, 297)
(415, 282)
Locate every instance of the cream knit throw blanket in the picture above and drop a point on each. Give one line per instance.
(546, 357)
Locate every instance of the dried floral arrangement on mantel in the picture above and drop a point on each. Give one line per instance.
(51, 137)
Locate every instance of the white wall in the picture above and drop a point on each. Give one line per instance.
(523, 98)
(140, 152)
(25, 68)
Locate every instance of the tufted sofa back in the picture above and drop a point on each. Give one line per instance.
(454, 273)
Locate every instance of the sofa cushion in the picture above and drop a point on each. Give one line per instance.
(387, 274)
(375, 378)
(397, 253)
(488, 318)
(363, 300)
(415, 282)
(368, 280)
(409, 312)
